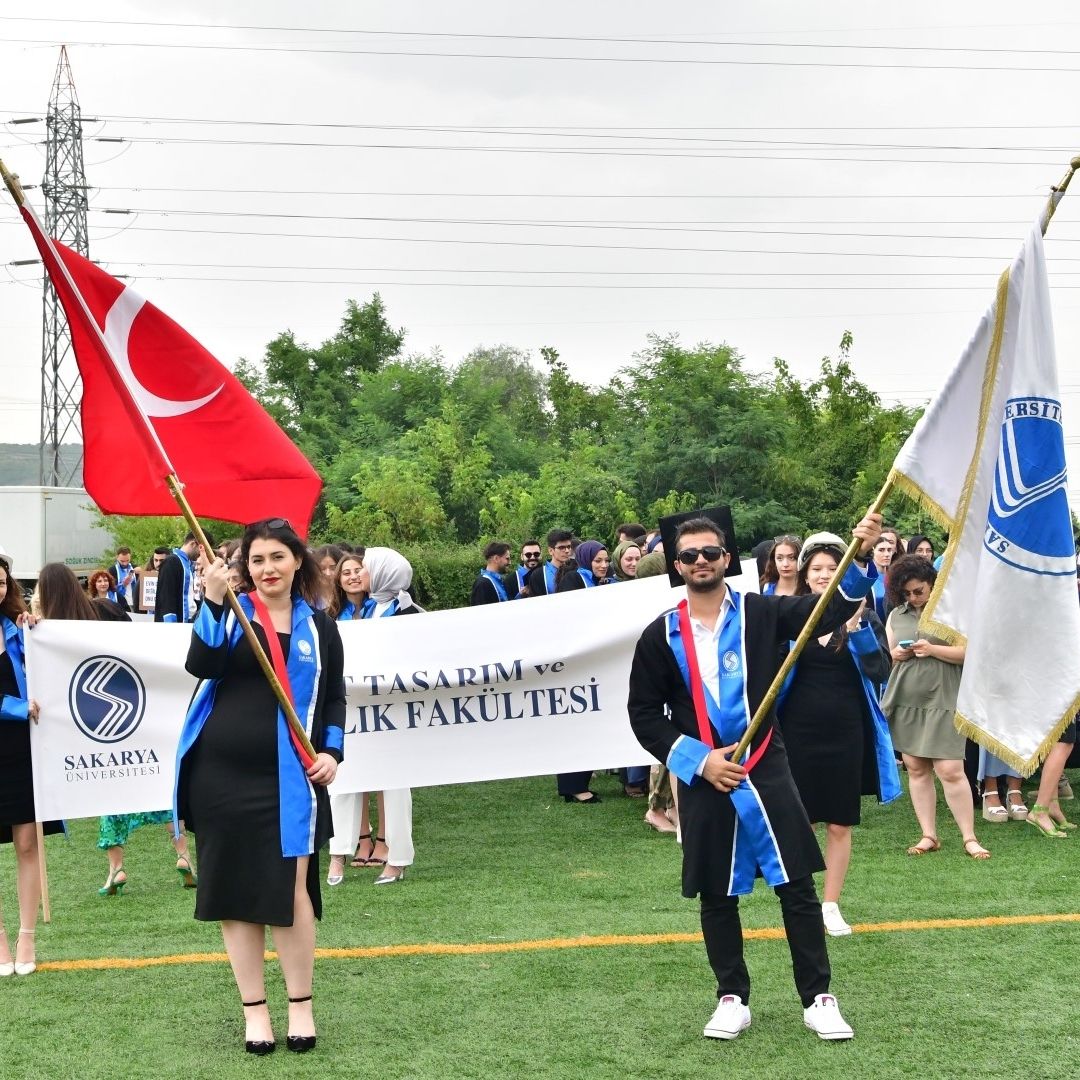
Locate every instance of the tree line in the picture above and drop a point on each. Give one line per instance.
(436, 458)
(417, 450)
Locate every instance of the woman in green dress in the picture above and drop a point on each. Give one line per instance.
(920, 703)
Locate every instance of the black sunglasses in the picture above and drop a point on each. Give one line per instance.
(270, 523)
(689, 556)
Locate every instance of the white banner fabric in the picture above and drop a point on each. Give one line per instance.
(516, 689)
(113, 697)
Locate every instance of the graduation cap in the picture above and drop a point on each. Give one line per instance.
(720, 516)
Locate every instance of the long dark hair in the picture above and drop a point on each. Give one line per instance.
(770, 575)
(60, 595)
(14, 605)
(308, 581)
(340, 597)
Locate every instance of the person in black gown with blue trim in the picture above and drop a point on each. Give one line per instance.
(258, 814)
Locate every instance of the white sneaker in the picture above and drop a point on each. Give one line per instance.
(730, 1018)
(835, 926)
(823, 1017)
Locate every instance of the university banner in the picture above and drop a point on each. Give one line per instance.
(523, 688)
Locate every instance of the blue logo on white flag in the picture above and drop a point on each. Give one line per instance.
(1028, 524)
(107, 698)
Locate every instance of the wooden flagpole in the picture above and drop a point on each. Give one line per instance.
(808, 629)
(245, 624)
(1056, 193)
(176, 488)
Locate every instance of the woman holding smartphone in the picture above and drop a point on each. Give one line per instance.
(920, 702)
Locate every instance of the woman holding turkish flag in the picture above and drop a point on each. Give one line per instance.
(259, 811)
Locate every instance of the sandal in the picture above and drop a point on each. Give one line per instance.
(335, 875)
(114, 883)
(359, 860)
(27, 967)
(1059, 822)
(916, 849)
(187, 874)
(995, 814)
(373, 861)
(980, 853)
(1014, 803)
(1053, 832)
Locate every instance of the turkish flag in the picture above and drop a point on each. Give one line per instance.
(156, 403)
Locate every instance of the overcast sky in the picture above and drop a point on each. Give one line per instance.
(506, 174)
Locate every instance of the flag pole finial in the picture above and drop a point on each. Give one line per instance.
(1057, 191)
(11, 182)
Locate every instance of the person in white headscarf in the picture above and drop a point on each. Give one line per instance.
(389, 577)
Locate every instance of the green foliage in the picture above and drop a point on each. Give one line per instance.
(143, 534)
(443, 573)
(395, 505)
(415, 450)
(309, 390)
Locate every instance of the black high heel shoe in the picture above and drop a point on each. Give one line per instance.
(261, 1047)
(300, 1044)
(593, 798)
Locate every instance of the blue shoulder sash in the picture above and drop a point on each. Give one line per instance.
(496, 584)
(754, 847)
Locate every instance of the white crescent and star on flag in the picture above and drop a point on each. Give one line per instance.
(117, 331)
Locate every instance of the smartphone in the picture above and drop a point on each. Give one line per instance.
(906, 644)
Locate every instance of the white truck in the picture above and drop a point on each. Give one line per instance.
(39, 525)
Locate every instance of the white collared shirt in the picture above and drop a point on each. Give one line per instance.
(707, 646)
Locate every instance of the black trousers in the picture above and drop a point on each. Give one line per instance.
(805, 934)
(573, 783)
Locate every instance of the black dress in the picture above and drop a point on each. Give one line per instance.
(16, 776)
(230, 800)
(824, 729)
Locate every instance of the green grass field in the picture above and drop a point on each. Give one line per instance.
(505, 862)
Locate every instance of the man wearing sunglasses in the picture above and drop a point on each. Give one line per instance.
(699, 673)
(517, 582)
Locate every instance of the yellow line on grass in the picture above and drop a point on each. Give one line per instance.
(480, 948)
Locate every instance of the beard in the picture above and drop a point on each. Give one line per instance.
(704, 586)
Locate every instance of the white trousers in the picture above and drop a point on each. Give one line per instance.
(347, 811)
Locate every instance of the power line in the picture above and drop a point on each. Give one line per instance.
(1001, 260)
(523, 223)
(555, 151)
(607, 40)
(597, 131)
(547, 58)
(545, 128)
(552, 195)
(685, 287)
(984, 275)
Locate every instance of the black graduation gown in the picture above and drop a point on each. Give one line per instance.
(170, 599)
(536, 582)
(483, 592)
(661, 710)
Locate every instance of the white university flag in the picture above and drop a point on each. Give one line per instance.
(987, 460)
